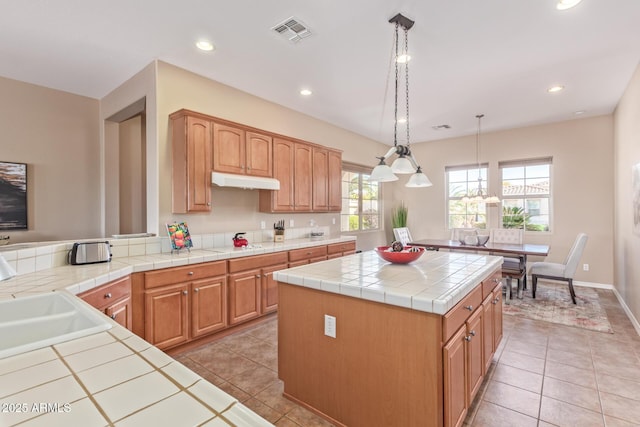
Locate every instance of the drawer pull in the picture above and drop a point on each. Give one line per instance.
(495, 280)
(468, 338)
(190, 273)
(113, 316)
(257, 276)
(472, 333)
(469, 307)
(185, 292)
(107, 295)
(196, 290)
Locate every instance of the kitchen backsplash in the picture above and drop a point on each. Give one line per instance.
(42, 256)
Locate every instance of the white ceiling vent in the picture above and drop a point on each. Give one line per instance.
(292, 29)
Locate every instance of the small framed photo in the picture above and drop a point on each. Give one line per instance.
(179, 235)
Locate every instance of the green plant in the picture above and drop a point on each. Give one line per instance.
(399, 216)
(514, 217)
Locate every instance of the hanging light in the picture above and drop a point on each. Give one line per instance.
(405, 163)
(478, 196)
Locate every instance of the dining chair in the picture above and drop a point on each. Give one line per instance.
(512, 267)
(402, 235)
(457, 233)
(557, 271)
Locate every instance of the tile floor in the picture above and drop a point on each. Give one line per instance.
(543, 375)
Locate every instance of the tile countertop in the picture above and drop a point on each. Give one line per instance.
(115, 377)
(434, 283)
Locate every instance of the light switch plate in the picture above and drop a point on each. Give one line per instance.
(329, 326)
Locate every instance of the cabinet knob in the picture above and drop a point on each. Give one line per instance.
(113, 316)
(257, 276)
(190, 273)
(469, 307)
(185, 292)
(495, 280)
(472, 333)
(208, 203)
(467, 338)
(107, 295)
(196, 290)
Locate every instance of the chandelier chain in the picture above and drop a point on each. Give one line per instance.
(395, 106)
(406, 78)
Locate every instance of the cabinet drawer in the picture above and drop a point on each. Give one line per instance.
(307, 253)
(104, 295)
(341, 247)
(490, 283)
(259, 261)
(169, 276)
(461, 312)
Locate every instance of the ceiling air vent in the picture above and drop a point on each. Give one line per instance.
(292, 29)
(441, 127)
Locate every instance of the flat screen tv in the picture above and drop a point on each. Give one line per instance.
(13, 196)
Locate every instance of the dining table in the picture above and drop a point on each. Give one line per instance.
(519, 250)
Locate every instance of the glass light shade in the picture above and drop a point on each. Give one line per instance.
(402, 165)
(418, 179)
(382, 173)
(567, 4)
(492, 199)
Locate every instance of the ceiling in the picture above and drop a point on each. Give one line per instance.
(496, 57)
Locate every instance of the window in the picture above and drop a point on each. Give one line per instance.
(462, 181)
(526, 194)
(360, 199)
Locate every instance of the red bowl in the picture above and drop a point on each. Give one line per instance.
(403, 257)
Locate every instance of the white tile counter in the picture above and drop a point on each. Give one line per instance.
(434, 283)
(113, 377)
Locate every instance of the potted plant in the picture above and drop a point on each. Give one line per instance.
(399, 216)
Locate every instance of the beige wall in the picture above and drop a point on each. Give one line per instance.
(627, 155)
(582, 180)
(236, 210)
(57, 135)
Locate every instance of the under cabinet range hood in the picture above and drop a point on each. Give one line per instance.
(244, 181)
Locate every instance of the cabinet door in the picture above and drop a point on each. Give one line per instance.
(455, 383)
(259, 154)
(487, 332)
(475, 363)
(269, 300)
(283, 158)
(208, 306)
(228, 149)
(302, 175)
(166, 321)
(244, 296)
(497, 316)
(121, 312)
(198, 152)
(320, 176)
(335, 181)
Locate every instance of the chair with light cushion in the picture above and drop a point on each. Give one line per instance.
(512, 267)
(556, 271)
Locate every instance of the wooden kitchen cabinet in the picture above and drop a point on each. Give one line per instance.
(113, 299)
(337, 250)
(184, 303)
(309, 255)
(302, 174)
(334, 181)
(243, 152)
(320, 186)
(191, 163)
(244, 296)
(269, 288)
(283, 170)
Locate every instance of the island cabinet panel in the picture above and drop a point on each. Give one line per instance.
(113, 299)
(384, 368)
(191, 164)
(455, 379)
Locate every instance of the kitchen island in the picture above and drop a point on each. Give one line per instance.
(363, 342)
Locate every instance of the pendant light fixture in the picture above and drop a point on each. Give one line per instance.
(405, 163)
(478, 195)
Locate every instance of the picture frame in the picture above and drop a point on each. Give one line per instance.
(13, 196)
(180, 236)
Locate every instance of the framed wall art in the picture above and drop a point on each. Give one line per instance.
(13, 196)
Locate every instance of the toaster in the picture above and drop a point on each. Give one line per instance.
(89, 253)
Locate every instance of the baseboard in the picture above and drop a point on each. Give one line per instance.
(627, 310)
(593, 285)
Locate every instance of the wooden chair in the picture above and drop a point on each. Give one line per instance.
(556, 271)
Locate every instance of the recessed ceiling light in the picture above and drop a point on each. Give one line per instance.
(441, 127)
(402, 120)
(305, 92)
(577, 113)
(403, 59)
(205, 45)
(567, 4)
(556, 88)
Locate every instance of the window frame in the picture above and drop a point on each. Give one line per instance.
(363, 173)
(471, 185)
(524, 163)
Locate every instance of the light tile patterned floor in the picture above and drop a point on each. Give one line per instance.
(543, 375)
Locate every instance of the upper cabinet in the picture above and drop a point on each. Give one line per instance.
(191, 163)
(238, 151)
(309, 174)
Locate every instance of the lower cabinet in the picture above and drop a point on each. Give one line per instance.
(304, 256)
(244, 296)
(337, 250)
(113, 299)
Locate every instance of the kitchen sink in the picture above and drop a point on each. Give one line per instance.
(37, 321)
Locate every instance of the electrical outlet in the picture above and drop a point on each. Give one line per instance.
(585, 267)
(333, 221)
(291, 223)
(263, 225)
(329, 326)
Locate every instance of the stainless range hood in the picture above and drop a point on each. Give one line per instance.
(244, 181)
